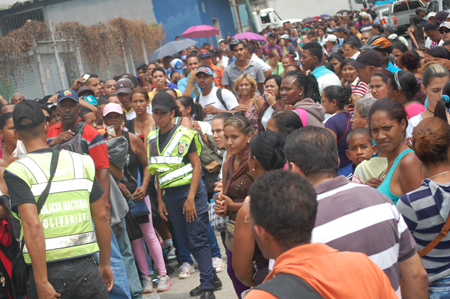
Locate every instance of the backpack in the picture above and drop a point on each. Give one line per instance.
(219, 96)
(74, 144)
(287, 286)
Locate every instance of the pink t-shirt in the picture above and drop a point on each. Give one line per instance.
(414, 109)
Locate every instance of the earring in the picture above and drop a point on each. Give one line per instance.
(248, 141)
(253, 169)
(300, 94)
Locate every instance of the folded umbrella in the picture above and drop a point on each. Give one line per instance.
(171, 48)
(200, 31)
(249, 36)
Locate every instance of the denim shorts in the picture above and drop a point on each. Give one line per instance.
(440, 289)
(74, 278)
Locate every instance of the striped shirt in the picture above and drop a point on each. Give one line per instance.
(425, 211)
(358, 218)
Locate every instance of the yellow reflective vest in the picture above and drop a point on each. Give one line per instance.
(168, 162)
(66, 214)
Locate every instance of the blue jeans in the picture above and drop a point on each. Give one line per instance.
(193, 234)
(440, 289)
(185, 254)
(128, 259)
(120, 289)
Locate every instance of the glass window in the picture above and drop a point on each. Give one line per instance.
(445, 4)
(265, 18)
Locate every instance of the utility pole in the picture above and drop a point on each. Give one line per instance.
(250, 14)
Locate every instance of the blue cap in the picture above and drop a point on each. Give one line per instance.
(68, 94)
(205, 69)
(177, 65)
(183, 57)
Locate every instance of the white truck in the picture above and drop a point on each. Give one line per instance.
(269, 17)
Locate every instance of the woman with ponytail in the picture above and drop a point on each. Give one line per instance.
(300, 93)
(403, 87)
(266, 154)
(334, 99)
(427, 208)
(443, 105)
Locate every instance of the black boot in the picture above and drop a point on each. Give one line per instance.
(208, 294)
(198, 291)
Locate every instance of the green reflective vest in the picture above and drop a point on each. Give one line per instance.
(168, 162)
(66, 214)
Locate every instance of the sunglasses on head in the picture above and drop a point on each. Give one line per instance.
(444, 30)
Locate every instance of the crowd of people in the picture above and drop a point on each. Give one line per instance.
(320, 157)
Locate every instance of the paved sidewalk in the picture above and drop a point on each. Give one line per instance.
(181, 287)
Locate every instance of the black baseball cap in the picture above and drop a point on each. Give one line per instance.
(368, 57)
(163, 101)
(29, 109)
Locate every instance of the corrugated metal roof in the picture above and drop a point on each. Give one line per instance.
(8, 4)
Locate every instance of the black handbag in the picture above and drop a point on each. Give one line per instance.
(19, 275)
(133, 229)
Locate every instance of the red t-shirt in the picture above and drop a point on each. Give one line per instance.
(90, 139)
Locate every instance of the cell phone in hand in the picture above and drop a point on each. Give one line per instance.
(110, 130)
(86, 76)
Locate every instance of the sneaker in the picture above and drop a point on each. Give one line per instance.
(198, 291)
(164, 283)
(147, 284)
(171, 254)
(185, 270)
(217, 263)
(207, 294)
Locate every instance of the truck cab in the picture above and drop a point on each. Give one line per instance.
(401, 11)
(269, 17)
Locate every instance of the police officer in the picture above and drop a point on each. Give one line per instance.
(173, 153)
(59, 241)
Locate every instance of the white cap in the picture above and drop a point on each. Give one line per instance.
(366, 28)
(331, 38)
(286, 36)
(431, 14)
(445, 24)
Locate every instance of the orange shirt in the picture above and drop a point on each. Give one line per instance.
(218, 73)
(335, 275)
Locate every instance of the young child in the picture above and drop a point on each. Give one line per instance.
(360, 148)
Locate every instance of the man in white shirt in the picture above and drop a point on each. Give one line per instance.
(213, 100)
(267, 70)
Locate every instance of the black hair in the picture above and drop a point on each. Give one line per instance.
(142, 66)
(286, 121)
(338, 56)
(359, 131)
(291, 203)
(277, 78)
(238, 120)
(315, 49)
(397, 44)
(159, 69)
(206, 44)
(446, 43)
(408, 83)
(439, 52)
(44, 100)
(353, 44)
(102, 100)
(314, 151)
(250, 48)
(342, 95)
(308, 82)
(392, 107)
(241, 42)
(329, 66)
(223, 115)
(111, 95)
(84, 111)
(379, 27)
(443, 104)
(268, 148)
(3, 118)
(45, 107)
(196, 108)
(347, 61)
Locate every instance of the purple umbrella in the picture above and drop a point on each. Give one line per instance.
(200, 31)
(249, 36)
